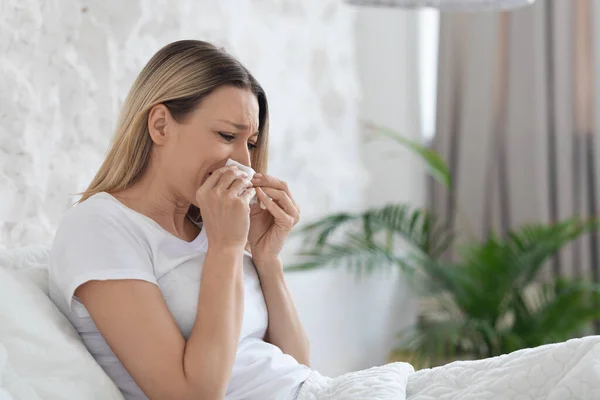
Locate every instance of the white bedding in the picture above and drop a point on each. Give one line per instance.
(385, 382)
(561, 371)
(42, 358)
(41, 355)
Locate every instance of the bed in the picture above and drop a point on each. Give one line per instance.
(42, 358)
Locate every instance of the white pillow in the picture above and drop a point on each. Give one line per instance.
(29, 261)
(41, 354)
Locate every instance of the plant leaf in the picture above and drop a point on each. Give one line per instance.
(416, 227)
(435, 164)
(356, 253)
(557, 311)
(319, 232)
(492, 295)
(369, 234)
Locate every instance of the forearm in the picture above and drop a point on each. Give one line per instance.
(285, 329)
(212, 345)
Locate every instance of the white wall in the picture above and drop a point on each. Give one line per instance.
(386, 41)
(358, 320)
(65, 69)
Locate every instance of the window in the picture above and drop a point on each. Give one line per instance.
(429, 21)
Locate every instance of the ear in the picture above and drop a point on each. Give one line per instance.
(158, 122)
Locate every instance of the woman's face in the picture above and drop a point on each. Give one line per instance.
(225, 125)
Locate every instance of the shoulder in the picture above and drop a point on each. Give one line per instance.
(97, 239)
(99, 217)
(101, 206)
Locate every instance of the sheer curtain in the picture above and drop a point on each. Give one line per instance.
(517, 119)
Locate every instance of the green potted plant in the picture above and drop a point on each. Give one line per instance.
(487, 301)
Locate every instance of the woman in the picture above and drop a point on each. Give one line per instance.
(170, 276)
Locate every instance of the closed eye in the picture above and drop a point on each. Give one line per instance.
(226, 137)
(230, 138)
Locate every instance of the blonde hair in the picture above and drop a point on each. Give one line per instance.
(179, 76)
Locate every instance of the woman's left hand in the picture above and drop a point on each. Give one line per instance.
(270, 227)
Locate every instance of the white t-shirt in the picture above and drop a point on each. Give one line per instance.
(103, 239)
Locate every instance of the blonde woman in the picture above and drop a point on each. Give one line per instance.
(173, 278)
(170, 276)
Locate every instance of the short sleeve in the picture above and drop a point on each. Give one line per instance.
(97, 241)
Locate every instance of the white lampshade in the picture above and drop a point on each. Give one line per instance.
(447, 5)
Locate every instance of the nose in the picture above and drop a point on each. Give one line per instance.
(242, 155)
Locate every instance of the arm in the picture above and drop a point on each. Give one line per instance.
(136, 323)
(138, 326)
(269, 228)
(285, 330)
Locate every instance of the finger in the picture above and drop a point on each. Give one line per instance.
(283, 219)
(264, 180)
(248, 195)
(239, 185)
(283, 201)
(229, 177)
(214, 178)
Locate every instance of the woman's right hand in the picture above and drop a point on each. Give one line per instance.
(226, 213)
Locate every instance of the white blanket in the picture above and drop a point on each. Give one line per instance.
(561, 371)
(385, 382)
(42, 358)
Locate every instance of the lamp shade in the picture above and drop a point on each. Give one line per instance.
(447, 5)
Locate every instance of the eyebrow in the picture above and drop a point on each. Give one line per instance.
(240, 127)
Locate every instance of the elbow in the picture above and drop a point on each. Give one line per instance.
(306, 351)
(208, 383)
(195, 392)
(305, 360)
(211, 393)
(208, 391)
(303, 356)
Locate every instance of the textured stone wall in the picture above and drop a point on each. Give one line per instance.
(66, 66)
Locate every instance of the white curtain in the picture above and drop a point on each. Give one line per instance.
(517, 120)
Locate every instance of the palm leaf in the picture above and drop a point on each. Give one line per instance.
(491, 294)
(533, 245)
(415, 226)
(356, 253)
(319, 232)
(474, 284)
(497, 270)
(434, 163)
(360, 240)
(556, 311)
(437, 340)
(432, 340)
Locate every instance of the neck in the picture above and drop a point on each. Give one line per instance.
(152, 197)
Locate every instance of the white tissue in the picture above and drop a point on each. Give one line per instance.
(247, 170)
